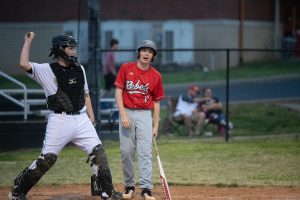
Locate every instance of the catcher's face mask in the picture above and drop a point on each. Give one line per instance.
(65, 46)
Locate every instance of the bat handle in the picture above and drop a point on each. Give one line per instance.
(155, 146)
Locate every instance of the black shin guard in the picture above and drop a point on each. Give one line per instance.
(102, 182)
(95, 187)
(32, 174)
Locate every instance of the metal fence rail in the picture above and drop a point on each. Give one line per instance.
(24, 91)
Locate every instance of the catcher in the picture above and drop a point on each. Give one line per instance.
(71, 118)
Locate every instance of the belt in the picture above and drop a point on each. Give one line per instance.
(67, 113)
(137, 109)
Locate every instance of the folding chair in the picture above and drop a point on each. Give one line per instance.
(170, 124)
(109, 113)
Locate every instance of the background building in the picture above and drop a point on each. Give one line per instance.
(172, 24)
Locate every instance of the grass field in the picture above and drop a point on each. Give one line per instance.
(258, 119)
(248, 70)
(264, 119)
(193, 161)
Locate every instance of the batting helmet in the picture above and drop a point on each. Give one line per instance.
(59, 43)
(147, 44)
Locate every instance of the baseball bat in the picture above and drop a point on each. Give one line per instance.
(163, 179)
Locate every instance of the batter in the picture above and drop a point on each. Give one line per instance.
(138, 93)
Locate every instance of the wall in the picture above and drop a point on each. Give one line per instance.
(12, 38)
(224, 34)
(187, 34)
(183, 38)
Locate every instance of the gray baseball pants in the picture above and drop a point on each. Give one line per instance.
(137, 138)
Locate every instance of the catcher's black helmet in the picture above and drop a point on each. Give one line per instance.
(59, 43)
(62, 41)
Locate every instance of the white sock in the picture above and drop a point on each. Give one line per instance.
(104, 194)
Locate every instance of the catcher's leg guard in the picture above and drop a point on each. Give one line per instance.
(32, 174)
(101, 179)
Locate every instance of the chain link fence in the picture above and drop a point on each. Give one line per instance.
(259, 88)
(262, 82)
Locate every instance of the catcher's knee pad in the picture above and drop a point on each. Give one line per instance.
(32, 174)
(101, 180)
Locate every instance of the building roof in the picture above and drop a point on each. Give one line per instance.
(58, 10)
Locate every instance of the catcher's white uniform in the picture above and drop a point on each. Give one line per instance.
(61, 128)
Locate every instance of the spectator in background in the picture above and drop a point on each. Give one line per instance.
(289, 44)
(109, 68)
(186, 111)
(212, 107)
(297, 46)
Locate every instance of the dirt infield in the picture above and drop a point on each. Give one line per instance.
(82, 192)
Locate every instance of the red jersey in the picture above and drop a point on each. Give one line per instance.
(140, 87)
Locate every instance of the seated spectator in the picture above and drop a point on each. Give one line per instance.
(212, 107)
(186, 111)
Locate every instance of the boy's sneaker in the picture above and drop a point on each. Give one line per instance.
(14, 197)
(128, 193)
(147, 195)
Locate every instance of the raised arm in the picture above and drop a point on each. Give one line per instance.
(24, 58)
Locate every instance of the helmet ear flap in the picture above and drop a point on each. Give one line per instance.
(153, 58)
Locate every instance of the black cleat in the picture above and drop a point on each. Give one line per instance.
(128, 193)
(146, 194)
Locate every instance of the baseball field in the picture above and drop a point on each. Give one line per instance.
(260, 161)
(196, 168)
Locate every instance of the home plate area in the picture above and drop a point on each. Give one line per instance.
(82, 192)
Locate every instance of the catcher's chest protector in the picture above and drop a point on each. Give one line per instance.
(70, 93)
